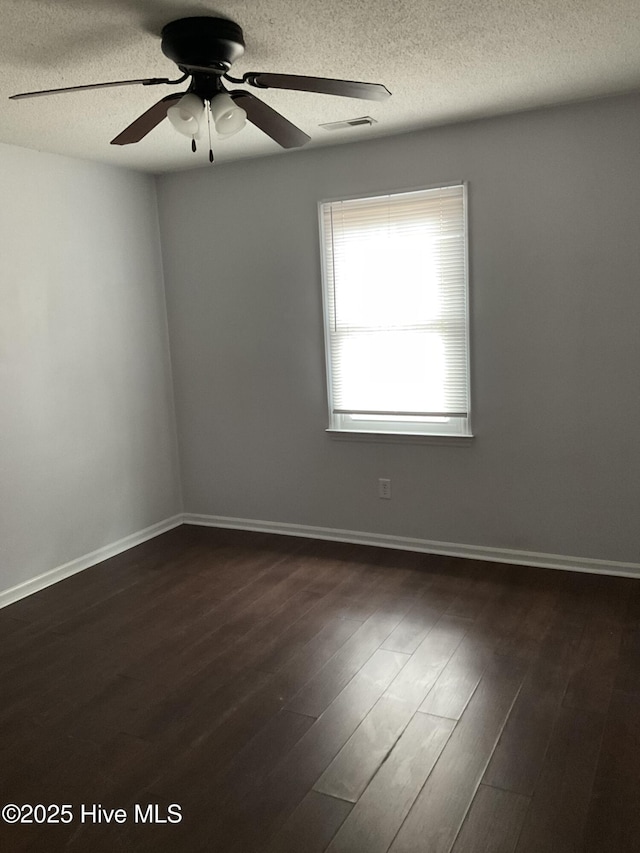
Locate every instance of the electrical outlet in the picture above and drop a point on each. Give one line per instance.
(384, 488)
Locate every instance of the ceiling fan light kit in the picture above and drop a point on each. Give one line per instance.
(187, 116)
(228, 117)
(204, 49)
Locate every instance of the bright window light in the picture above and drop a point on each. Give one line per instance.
(395, 296)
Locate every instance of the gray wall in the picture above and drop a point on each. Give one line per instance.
(87, 434)
(555, 305)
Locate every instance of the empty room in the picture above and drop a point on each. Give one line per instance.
(319, 406)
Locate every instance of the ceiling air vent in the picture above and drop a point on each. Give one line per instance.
(351, 122)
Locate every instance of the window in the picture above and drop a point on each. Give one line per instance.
(396, 320)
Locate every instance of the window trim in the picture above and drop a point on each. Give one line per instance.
(369, 432)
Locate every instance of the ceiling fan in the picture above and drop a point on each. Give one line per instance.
(204, 49)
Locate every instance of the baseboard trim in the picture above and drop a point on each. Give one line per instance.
(22, 590)
(404, 543)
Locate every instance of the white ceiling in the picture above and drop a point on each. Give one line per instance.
(443, 60)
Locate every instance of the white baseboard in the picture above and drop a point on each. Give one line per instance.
(404, 543)
(449, 549)
(22, 590)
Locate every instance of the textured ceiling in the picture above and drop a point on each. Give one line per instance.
(443, 60)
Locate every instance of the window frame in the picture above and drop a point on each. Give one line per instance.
(424, 430)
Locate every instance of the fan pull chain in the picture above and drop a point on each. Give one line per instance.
(209, 127)
(193, 144)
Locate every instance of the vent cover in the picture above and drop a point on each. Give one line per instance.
(350, 122)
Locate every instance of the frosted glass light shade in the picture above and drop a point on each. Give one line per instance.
(227, 117)
(187, 116)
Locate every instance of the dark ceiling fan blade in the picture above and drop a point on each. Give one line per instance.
(150, 81)
(145, 123)
(280, 129)
(322, 85)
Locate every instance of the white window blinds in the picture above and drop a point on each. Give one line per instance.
(395, 279)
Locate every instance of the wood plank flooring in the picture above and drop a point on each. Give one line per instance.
(294, 696)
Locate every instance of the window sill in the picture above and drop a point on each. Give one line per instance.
(399, 437)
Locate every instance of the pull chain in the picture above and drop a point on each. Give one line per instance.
(209, 127)
(193, 144)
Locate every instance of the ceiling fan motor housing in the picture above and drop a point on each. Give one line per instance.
(214, 43)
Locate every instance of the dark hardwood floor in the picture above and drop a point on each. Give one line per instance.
(302, 696)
